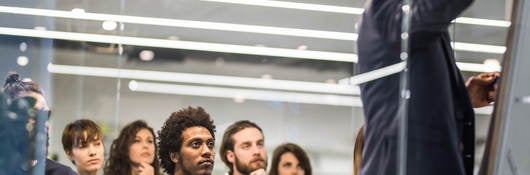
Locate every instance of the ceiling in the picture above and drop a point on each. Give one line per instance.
(256, 16)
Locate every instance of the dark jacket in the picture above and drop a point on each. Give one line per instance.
(55, 168)
(441, 118)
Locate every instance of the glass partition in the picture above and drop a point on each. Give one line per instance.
(116, 62)
(293, 67)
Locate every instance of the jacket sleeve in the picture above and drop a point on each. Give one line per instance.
(435, 15)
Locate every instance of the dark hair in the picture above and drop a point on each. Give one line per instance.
(358, 150)
(228, 143)
(298, 152)
(74, 134)
(170, 136)
(15, 87)
(119, 161)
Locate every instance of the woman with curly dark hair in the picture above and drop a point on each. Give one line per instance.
(134, 152)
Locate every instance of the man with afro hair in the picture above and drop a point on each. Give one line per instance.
(187, 142)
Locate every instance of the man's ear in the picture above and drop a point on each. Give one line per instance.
(174, 157)
(230, 156)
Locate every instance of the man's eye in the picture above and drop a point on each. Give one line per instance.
(195, 144)
(211, 144)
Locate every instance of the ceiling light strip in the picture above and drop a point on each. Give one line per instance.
(471, 47)
(186, 45)
(483, 22)
(348, 36)
(245, 94)
(474, 67)
(375, 74)
(296, 5)
(191, 24)
(460, 46)
(216, 80)
(392, 69)
(348, 10)
(261, 95)
(254, 50)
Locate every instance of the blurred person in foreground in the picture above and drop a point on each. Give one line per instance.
(20, 91)
(441, 123)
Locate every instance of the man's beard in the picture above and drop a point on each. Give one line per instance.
(246, 168)
(185, 169)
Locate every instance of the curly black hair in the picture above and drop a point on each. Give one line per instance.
(119, 161)
(170, 136)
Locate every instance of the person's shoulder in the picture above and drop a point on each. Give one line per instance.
(55, 168)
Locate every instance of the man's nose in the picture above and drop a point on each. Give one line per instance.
(206, 151)
(256, 150)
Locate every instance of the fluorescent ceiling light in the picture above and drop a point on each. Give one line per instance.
(296, 5)
(187, 45)
(483, 22)
(216, 80)
(252, 50)
(398, 67)
(349, 36)
(348, 10)
(214, 47)
(109, 25)
(345, 99)
(235, 93)
(373, 75)
(262, 95)
(471, 47)
(474, 67)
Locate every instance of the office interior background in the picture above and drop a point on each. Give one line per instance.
(285, 65)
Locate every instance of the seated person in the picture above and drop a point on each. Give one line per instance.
(83, 145)
(134, 151)
(17, 91)
(289, 159)
(187, 141)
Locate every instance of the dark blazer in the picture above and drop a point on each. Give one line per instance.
(55, 168)
(441, 118)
